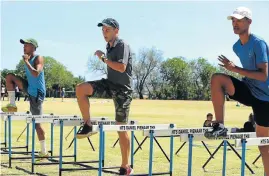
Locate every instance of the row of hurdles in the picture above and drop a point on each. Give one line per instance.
(102, 125)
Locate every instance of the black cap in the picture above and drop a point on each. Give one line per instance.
(109, 22)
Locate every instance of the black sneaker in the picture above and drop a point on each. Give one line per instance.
(218, 131)
(86, 131)
(126, 172)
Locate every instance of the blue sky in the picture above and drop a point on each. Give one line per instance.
(67, 31)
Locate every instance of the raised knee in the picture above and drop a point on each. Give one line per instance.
(9, 77)
(84, 89)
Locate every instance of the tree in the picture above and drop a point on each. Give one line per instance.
(95, 65)
(202, 71)
(176, 72)
(147, 61)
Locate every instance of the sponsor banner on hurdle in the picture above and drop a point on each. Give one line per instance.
(52, 118)
(134, 127)
(14, 115)
(261, 141)
(94, 121)
(230, 136)
(177, 132)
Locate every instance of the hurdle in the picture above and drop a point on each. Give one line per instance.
(260, 141)
(66, 122)
(15, 117)
(71, 143)
(151, 128)
(50, 119)
(176, 133)
(104, 127)
(200, 137)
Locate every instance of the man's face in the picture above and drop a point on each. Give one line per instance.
(109, 33)
(209, 118)
(28, 48)
(240, 26)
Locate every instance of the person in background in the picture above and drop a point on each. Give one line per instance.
(208, 121)
(63, 93)
(3, 92)
(249, 126)
(17, 93)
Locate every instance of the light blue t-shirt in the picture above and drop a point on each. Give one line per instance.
(36, 85)
(254, 52)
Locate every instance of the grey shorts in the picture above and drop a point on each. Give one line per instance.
(35, 105)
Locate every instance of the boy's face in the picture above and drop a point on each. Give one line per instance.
(209, 117)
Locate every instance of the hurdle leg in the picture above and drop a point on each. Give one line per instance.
(212, 155)
(21, 134)
(5, 134)
(140, 145)
(69, 133)
(9, 141)
(132, 149)
(243, 160)
(180, 148)
(256, 159)
(75, 144)
(171, 154)
(224, 158)
(27, 138)
(61, 148)
(100, 150)
(137, 142)
(240, 157)
(190, 155)
(71, 143)
(51, 139)
(150, 152)
(161, 149)
(104, 146)
(207, 148)
(89, 140)
(116, 143)
(33, 144)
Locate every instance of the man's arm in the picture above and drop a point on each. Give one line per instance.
(261, 56)
(122, 58)
(261, 74)
(120, 67)
(39, 64)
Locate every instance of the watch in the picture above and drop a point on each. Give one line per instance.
(103, 57)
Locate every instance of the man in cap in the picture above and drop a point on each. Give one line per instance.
(34, 86)
(253, 89)
(118, 85)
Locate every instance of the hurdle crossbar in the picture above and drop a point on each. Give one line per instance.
(229, 136)
(260, 141)
(94, 121)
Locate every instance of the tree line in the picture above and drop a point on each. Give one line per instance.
(57, 76)
(174, 78)
(154, 77)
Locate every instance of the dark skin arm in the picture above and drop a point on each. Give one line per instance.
(261, 74)
(39, 64)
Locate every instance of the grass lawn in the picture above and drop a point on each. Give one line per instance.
(183, 113)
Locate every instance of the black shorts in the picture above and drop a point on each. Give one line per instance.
(243, 95)
(121, 96)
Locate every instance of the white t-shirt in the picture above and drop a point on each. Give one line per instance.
(3, 90)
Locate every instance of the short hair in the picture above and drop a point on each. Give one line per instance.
(209, 114)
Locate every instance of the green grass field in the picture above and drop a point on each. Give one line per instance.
(183, 113)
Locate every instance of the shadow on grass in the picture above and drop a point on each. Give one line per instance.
(28, 172)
